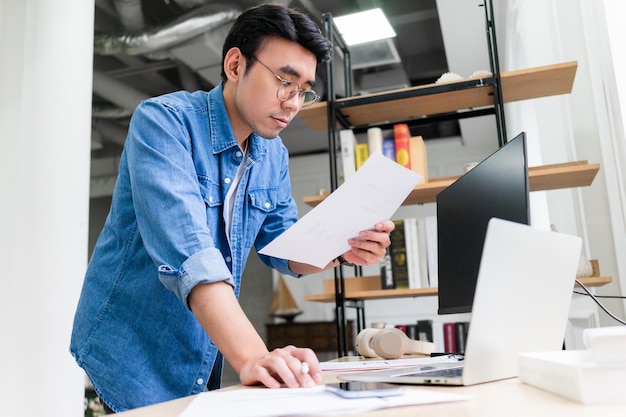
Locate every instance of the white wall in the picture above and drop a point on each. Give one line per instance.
(45, 108)
(614, 72)
(575, 126)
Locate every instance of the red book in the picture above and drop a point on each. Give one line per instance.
(401, 327)
(401, 137)
(449, 337)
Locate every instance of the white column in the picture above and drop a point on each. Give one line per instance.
(45, 111)
(615, 12)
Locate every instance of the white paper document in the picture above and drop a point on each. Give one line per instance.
(261, 402)
(372, 194)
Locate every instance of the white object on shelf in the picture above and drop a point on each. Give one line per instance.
(375, 139)
(448, 77)
(347, 142)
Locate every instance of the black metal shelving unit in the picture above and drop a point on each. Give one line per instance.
(335, 118)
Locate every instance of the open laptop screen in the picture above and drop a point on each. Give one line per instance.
(497, 187)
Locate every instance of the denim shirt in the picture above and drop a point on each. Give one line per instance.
(133, 331)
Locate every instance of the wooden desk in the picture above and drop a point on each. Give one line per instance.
(510, 398)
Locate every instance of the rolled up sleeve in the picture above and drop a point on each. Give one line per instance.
(203, 267)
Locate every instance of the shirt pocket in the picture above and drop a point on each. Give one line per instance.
(262, 201)
(211, 192)
(212, 195)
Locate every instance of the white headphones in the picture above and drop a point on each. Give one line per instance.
(389, 343)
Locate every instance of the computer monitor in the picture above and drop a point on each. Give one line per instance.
(496, 187)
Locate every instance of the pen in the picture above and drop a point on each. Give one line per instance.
(304, 368)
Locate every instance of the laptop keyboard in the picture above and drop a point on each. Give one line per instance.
(440, 372)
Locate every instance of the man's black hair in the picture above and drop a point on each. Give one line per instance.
(256, 24)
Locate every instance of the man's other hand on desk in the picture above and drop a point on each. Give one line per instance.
(290, 366)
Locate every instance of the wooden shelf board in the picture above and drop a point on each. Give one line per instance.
(374, 294)
(566, 175)
(594, 281)
(517, 85)
(420, 292)
(546, 177)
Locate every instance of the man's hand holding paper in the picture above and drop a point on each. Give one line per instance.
(348, 222)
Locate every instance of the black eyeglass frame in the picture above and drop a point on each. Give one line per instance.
(282, 89)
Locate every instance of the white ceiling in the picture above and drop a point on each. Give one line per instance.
(432, 37)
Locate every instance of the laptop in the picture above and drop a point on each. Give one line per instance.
(521, 304)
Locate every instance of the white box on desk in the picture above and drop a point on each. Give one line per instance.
(572, 374)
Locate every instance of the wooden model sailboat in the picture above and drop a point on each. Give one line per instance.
(283, 304)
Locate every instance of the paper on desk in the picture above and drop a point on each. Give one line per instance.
(373, 194)
(261, 402)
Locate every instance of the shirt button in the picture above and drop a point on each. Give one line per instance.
(229, 259)
(267, 205)
(200, 381)
(227, 180)
(211, 198)
(239, 154)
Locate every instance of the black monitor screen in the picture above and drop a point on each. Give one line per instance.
(497, 187)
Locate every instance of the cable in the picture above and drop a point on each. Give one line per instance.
(599, 303)
(621, 297)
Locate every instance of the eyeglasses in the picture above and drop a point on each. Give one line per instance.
(288, 89)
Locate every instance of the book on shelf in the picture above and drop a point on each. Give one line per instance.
(449, 337)
(425, 330)
(401, 327)
(401, 137)
(405, 263)
(386, 273)
(399, 266)
(411, 331)
(389, 149)
(375, 139)
(347, 142)
(361, 153)
(413, 256)
(421, 252)
(430, 228)
(418, 158)
(462, 328)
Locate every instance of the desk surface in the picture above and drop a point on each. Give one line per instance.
(509, 398)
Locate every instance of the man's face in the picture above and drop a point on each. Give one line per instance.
(256, 97)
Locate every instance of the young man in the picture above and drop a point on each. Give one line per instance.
(203, 177)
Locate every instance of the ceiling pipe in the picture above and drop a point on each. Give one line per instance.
(116, 92)
(190, 4)
(150, 41)
(131, 14)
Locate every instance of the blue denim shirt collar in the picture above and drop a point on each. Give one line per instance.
(220, 124)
